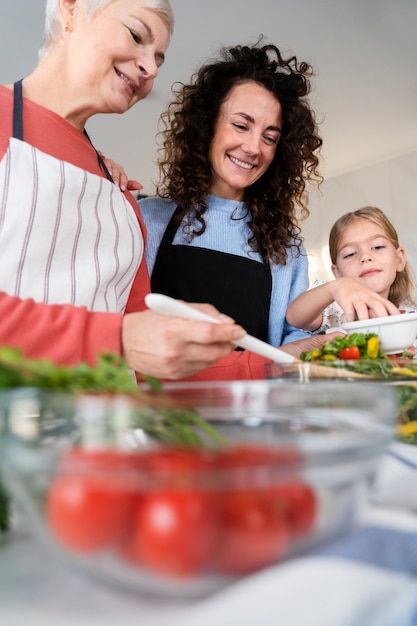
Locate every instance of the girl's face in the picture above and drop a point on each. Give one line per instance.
(113, 58)
(366, 254)
(245, 139)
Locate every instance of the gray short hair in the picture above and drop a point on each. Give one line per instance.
(53, 26)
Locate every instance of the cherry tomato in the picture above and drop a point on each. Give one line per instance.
(253, 532)
(89, 505)
(298, 503)
(352, 353)
(250, 455)
(174, 463)
(175, 525)
(175, 532)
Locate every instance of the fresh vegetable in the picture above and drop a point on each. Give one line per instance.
(175, 532)
(254, 531)
(110, 374)
(352, 353)
(372, 347)
(180, 512)
(347, 347)
(360, 353)
(299, 502)
(89, 506)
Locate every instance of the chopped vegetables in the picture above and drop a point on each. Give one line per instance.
(350, 347)
(352, 353)
(372, 347)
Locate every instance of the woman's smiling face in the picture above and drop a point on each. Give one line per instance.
(245, 140)
(116, 53)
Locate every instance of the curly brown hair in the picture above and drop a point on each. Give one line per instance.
(402, 290)
(188, 127)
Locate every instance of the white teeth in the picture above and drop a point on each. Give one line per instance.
(246, 166)
(125, 78)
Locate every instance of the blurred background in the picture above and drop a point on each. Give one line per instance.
(364, 94)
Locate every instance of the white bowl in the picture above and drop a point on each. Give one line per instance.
(396, 332)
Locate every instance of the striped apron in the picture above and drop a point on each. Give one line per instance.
(66, 236)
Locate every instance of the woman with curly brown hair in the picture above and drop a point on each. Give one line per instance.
(239, 145)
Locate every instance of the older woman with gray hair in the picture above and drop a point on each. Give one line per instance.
(73, 276)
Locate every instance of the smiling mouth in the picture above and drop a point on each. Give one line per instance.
(127, 80)
(245, 166)
(369, 273)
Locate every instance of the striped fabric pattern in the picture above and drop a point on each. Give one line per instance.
(66, 236)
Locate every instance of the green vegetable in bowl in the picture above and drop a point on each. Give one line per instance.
(347, 347)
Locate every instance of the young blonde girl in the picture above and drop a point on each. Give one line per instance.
(372, 277)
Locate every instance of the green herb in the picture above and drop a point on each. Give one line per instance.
(167, 425)
(110, 374)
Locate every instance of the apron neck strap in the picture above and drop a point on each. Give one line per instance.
(18, 124)
(18, 110)
(100, 160)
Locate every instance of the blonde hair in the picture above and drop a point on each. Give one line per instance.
(53, 28)
(402, 290)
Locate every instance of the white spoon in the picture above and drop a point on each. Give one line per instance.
(169, 306)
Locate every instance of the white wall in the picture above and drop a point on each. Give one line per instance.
(390, 185)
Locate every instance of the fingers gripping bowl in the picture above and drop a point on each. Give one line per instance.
(285, 470)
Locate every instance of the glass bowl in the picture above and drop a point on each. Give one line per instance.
(270, 471)
(399, 373)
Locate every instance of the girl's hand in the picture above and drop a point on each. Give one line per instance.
(119, 175)
(359, 302)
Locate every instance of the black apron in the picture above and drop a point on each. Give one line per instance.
(235, 285)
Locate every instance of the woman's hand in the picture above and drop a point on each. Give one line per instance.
(173, 347)
(119, 175)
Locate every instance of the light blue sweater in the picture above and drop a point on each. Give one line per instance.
(231, 235)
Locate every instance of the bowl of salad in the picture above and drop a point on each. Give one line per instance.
(179, 491)
(396, 333)
(359, 353)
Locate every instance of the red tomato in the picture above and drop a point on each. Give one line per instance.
(253, 532)
(352, 353)
(174, 525)
(89, 505)
(298, 503)
(174, 462)
(175, 532)
(249, 456)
